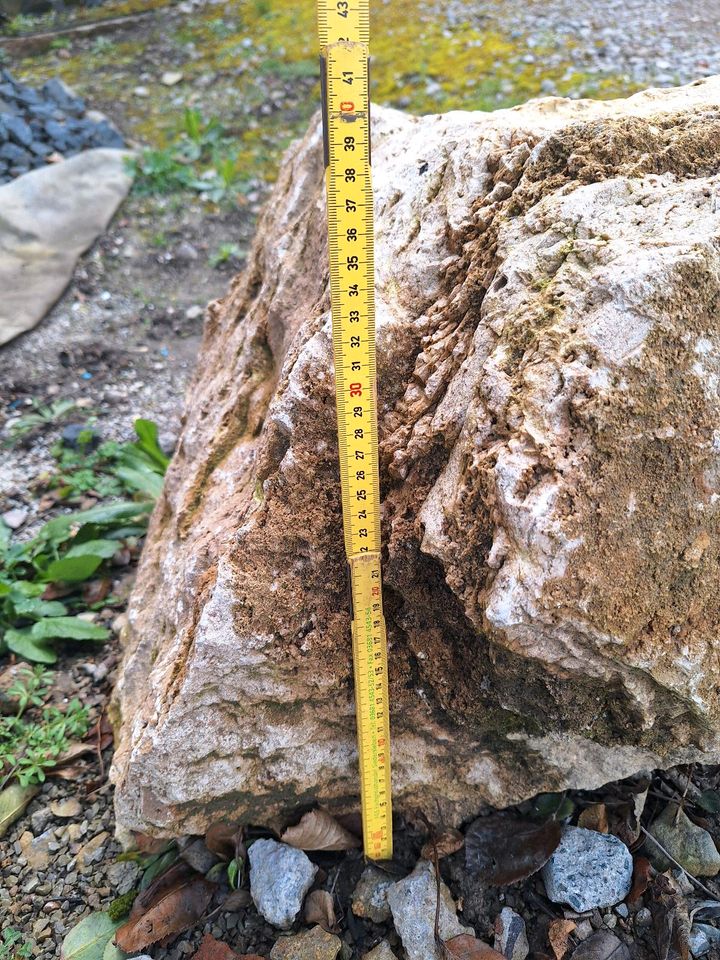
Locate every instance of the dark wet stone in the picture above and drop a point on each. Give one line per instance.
(18, 130)
(14, 154)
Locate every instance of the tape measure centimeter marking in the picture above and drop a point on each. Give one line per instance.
(352, 279)
(372, 705)
(351, 244)
(343, 20)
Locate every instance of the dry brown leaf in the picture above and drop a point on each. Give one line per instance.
(212, 949)
(558, 935)
(319, 909)
(221, 839)
(505, 850)
(147, 844)
(466, 947)
(236, 900)
(96, 590)
(174, 911)
(318, 830)
(640, 879)
(447, 842)
(594, 818)
(671, 921)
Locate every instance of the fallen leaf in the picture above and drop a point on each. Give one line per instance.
(506, 850)
(671, 922)
(112, 952)
(146, 844)
(221, 839)
(640, 879)
(96, 590)
(466, 947)
(172, 875)
(174, 912)
(318, 830)
(558, 935)
(319, 909)
(159, 869)
(236, 900)
(13, 801)
(212, 949)
(447, 842)
(88, 940)
(602, 945)
(594, 818)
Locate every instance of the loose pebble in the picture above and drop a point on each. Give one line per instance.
(280, 876)
(510, 935)
(588, 870)
(692, 847)
(413, 902)
(313, 944)
(369, 898)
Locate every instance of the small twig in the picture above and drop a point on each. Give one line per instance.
(679, 865)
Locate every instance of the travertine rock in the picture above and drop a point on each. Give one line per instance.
(548, 285)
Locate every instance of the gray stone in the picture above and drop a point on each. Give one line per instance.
(692, 847)
(280, 876)
(13, 153)
(588, 870)
(382, 951)
(510, 935)
(413, 902)
(18, 130)
(49, 218)
(15, 518)
(36, 850)
(703, 939)
(122, 876)
(369, 897)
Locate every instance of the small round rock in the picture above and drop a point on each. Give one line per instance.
(280, 876)
(588, 870)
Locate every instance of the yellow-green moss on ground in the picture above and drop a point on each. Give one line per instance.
(253, 64)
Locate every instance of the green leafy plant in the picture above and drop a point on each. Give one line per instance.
(14, 946)
(225, 252)
(179, 167)
(29, 747)
(39, 416)
(113, 469)
(70, 549)
(103, 45)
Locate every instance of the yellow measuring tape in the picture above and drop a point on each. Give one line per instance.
(344, 31)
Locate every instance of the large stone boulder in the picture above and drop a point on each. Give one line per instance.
(548, 285)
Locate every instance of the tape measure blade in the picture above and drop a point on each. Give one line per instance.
(343, 20)
(372, 705)
(346, 114)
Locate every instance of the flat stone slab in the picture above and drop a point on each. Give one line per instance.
(48, 218)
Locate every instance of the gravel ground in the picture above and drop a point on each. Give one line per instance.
(651, 42)
(124, 337)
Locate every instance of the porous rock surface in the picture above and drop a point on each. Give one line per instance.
(548, 286)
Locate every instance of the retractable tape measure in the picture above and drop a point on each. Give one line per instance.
(344, 32)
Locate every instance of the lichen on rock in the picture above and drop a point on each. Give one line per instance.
(548, 283)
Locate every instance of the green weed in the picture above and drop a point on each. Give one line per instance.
(224, 253)
(39, 416)
(179, 167)
(29, 747)
(13, 946)
(73, 547)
